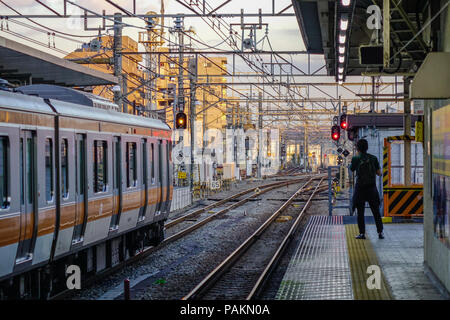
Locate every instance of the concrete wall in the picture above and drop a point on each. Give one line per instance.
(436, 254)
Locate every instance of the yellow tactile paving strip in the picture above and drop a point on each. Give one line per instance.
(361, 255)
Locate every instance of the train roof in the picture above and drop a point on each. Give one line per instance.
(22, 102)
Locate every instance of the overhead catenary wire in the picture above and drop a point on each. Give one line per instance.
(43, 26)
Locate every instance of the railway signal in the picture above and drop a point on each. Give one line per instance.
(343, 121)
(351, 134)
(335, 133)
(181, 120)
(345, 153)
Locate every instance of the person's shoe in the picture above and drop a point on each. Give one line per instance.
(360, 236)
(380, 235)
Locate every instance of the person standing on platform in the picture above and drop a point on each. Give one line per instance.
(367, 168)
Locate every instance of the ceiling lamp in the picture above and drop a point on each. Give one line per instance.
(341, 49)
(341, 69)
(341, 59)
(344, 23)
(345, 3)
(342, 39)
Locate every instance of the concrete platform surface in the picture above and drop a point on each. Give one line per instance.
(400, 256)
(329, 263)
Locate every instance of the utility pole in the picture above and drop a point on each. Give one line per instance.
(372, 103)
(305, 148)
(260, 126)
(204, 117)
(180, 99)
(193, 63)
(117, 54)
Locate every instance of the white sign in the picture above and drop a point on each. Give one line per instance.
(419, 106)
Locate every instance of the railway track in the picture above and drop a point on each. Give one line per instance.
(244, 273)
(149, 250)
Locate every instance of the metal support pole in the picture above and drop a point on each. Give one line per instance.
(305, 148)
(204, 122)
(372, 103)
(407, 131)
(260, 125)
(386, 33)
(117, 50)
(126, 289)
(180, 107)
(192, 111)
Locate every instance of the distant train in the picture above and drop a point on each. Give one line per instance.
(79, 185)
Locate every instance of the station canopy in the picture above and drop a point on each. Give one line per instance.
(318, 22)
(19, 62)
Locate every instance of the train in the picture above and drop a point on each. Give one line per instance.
(81, 183)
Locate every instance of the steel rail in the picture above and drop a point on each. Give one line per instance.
(147, 251)
(203, 287)
(219, 203)
(273, 263)
(227, 209)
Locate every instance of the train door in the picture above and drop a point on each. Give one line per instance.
(81, 182)
(144, 180)
(117, 183)
(168, 175)
(27, 194)
(160, 178)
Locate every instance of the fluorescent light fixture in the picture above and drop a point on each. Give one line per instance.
(342, 39)
(341, 49)
(344, 23)
(345, 3)
(341, 59)
(341, 69)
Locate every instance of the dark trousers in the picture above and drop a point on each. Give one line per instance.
(368, 194)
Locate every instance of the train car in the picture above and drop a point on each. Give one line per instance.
(80, 185)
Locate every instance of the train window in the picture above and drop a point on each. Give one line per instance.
(169, 144)
(22, 191)
(153, 162)
(81, 165)
(117, 164)
(144, 161)
(48, 170)
(29, 169)
(100, 166)
(4, 178)
(131, 164)
(64, 169)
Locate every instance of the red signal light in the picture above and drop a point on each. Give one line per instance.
(343, 121)
(335, 133)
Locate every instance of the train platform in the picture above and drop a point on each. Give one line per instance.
(329, 263)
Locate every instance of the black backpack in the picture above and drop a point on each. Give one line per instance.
(366, 171)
